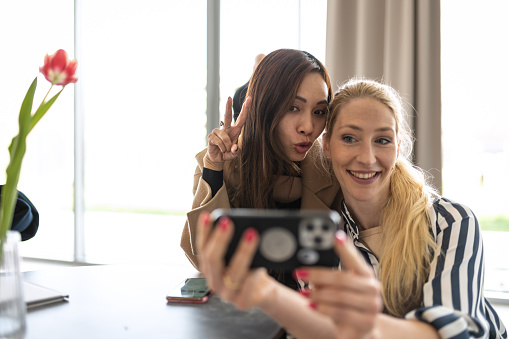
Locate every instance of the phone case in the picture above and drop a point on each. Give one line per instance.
(288, 238)
(192, 290)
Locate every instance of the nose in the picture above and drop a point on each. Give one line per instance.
(366, 154)
(306, 124)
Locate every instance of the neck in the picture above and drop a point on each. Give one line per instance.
(366, 214)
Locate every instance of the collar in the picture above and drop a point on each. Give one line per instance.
(350, 225)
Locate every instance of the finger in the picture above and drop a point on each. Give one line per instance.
(367, 299)
(241, 262)
(350, 257)
(215, 250)
(241, 119)
(228, 113)
(203, 230)
(220, 139)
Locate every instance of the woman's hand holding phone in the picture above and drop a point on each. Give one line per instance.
(351, 297)
(236, 283)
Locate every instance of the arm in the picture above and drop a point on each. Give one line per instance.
(293, 312)
(208, 187)
(204, 200)
(453, 300)
(387, 326)
(247, 288)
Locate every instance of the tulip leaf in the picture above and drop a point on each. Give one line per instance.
(45, 106)
(25, 113)
(17, 151)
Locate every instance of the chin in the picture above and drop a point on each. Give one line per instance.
(298, 157)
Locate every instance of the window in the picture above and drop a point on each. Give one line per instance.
(47, 172)
(475, 120)
(141, 97)
(270, 25)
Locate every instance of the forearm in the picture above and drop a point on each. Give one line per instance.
(387, 326)
(293, 313)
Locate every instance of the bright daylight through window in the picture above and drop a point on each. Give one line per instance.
(142, 95)
(475, 119)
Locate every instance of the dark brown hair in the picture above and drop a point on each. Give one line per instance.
(273, 88)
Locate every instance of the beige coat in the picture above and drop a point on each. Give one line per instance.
(320, 190)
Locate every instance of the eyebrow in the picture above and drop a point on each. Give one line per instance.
(381, 129)
(305, 101)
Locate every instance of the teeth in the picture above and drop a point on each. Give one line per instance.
(363, 175)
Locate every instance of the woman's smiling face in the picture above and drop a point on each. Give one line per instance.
(363, 148)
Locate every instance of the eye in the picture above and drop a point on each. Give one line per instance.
(321, 112)
(348, 139)
(294, 108)
(383, 141)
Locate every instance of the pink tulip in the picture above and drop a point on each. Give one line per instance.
(58, 70)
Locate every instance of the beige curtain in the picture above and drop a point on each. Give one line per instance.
(397, 41)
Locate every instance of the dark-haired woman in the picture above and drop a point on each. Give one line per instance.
(269, 158)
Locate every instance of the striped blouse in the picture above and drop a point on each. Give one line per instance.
(453, 299)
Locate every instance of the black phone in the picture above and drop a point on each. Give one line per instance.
(288, 238)
(191, 290)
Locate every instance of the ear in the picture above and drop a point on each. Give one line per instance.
(326, 146)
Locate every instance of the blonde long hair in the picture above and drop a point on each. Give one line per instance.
(408, 243)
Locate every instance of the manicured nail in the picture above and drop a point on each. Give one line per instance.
(305, 293)
(250, 234)
(341, 237)
(312, 305)
(223, 223)
(300, 273)
(205, 218)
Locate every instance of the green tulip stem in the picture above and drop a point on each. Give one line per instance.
(17, 150)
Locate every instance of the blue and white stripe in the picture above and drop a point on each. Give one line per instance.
(453, 299)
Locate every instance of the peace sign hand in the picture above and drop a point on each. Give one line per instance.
(222, 142)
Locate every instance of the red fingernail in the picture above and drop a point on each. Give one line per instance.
(300, 273)
(341, 237)
(312, 305)
(305, 293)
(205, 218)
(223, 223)
(250, 234)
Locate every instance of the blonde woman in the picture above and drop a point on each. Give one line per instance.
(424, 252)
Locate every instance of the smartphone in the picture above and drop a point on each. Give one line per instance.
(191, 290)
(288, 238)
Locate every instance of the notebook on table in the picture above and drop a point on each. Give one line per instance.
(37, 295)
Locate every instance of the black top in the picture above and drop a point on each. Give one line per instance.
(238, 99)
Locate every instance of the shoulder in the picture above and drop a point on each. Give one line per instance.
(314, 166)
(445, 213)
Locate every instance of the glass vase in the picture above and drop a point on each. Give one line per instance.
(12, 303)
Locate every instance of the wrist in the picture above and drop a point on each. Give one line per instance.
(215, 166)
(270, 296)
